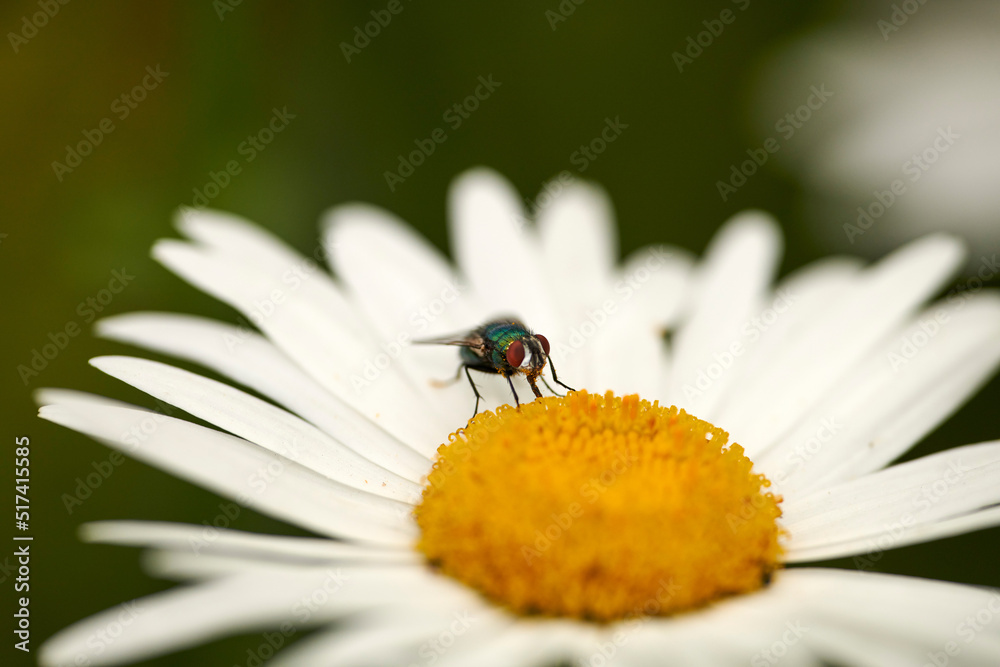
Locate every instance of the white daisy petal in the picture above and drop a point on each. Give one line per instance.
(861, 648)
(736, 631)
(883, 297)
(375, 254)
(525, 643)
(259, 422)
(731, 285)
(245, 244)
(369, 641)
(618, 343)
(729, 646)
(241, 239)
(408, 291)
(181, 617)
(797, 301)
(579, 248)
(891, 401)
(934, 488)
(312, 335)
(200, 565)
(295, 278)
(252, 360)
(251, 601)
(627, 357)
(238, 469)
(893, 537)
(497, 251)
(931, 616)
(205, 540)
(182, 566)
(393, 273)
(652, 284)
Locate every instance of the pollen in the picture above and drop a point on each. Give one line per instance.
(599, 508)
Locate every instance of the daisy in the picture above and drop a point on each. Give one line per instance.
(595, 529)
(908, 138)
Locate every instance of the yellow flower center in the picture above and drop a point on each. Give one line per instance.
(598, 507)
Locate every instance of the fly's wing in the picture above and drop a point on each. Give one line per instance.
(469, 339)
(473, 342)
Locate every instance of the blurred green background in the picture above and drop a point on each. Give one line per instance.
(229, 66)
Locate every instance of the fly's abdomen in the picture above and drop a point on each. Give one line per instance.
(468, 356)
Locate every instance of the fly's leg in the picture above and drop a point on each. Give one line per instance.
(440, 384)
(534, 387)
(517, 402)
(556, 377)
(556, 393)
(469, 375)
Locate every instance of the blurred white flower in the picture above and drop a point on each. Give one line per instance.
(910, 141)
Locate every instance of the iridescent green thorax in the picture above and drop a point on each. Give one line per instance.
(501, 335)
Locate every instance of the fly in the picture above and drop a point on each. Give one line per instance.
(506, 347)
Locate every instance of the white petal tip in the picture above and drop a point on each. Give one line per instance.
(192, 222)
(164, 250)
(480, 182)
(754, 221)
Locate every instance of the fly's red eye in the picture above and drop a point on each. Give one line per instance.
(515, 354)
(544, 341)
